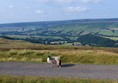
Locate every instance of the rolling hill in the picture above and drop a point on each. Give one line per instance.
(62, 31)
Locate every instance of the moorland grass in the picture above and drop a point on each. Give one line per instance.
(67, 56)
(12, 50)
(29, 79)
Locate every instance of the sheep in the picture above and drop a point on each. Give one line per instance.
(54, 60)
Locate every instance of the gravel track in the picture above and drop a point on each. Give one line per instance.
(68, 70)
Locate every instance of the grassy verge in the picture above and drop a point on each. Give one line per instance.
(12, 50)
(67, 56)
(16, 79)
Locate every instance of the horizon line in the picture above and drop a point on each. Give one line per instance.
(56, 20)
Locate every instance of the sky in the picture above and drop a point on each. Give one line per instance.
(12, 11)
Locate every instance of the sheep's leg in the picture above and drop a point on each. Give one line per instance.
(59, 64)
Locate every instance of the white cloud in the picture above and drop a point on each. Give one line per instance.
(43, 1)
(90, 1)
(69, 1)
(39, 12)
(64, 1)
(55, 1)
(76, 9)
(11, 6)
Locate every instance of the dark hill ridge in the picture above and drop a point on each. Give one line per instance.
(68, 30)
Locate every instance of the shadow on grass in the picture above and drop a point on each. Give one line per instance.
(68, 65)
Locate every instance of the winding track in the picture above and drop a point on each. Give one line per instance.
(67, 70)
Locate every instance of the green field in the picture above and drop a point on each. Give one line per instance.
(113, 38)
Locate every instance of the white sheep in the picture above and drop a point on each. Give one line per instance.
(54, 60)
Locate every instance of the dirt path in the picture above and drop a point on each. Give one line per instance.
(67, 70)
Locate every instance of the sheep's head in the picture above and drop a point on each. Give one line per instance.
(49, 56)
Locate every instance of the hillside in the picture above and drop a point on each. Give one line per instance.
(61, 31)
(15, 50)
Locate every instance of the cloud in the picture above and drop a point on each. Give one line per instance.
(11, 6)
(43, 1)
(69, 1)
(55, 1)
(90, 1)
(39, 12)
(76, 9)
(64, 1)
